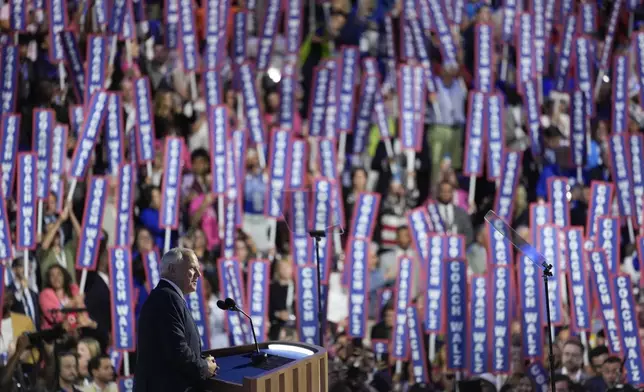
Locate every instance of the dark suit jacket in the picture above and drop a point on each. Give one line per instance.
(20, 305)
(97, 302)
(168, 345)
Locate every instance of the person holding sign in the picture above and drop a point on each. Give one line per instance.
(169, 346)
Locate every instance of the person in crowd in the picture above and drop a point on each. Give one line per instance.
(167, 116)
(611, 376)
(14, 325)
(86, 349)
(216, 318)
(382, 330)
(596, 358)
(358, 185)
(455, 219)
(67, 373)
(282, 297)
(572, 358)
(393, 208)
(203, 216)
(25, 299)
(59, 293)
(102, 371)
(54, 251)
(477, 252)
(98, 298)
(563, 383)
(149, 203)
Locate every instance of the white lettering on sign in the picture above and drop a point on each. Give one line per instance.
(501, 318)
(26, 206)
(629, 328)
(484, 57)
(358, 288)
(400, 306)
(603, 294)
(479, 325)
(505, 195)
(578, 278)
(475, 124)
(496, 140)
(121, 297)
(456, 316)
(9, 137)
(145, 119)
(309, 307)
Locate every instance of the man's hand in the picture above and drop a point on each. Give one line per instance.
(212, 366)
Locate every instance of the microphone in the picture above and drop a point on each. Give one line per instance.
(257, 357)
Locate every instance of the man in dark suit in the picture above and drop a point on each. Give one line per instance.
(25, 299)
(169, 347)
(97, 299)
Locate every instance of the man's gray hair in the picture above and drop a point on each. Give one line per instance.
(175, 257)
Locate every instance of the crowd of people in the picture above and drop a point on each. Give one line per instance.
(412, 119)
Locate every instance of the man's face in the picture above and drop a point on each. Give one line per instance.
(200, 166)
(403, 238)
(611, 373)
(445, 193)
(105, 372)
(597, 363)
(68, 369)
(188, 274)
(572, 357)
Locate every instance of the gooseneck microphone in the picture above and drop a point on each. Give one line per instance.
(229, 304)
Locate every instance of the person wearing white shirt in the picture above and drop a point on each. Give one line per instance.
(572, 357)
(102, 371)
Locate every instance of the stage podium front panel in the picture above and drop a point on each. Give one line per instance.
(290, 366)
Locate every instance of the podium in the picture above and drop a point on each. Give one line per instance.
(290, 366)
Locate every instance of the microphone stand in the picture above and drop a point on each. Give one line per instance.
(317, 235)
(259, 356)
(547, 273)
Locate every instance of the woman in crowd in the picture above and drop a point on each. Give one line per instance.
(87, 348)
(216, 318)
(54, 251)
(60, 292)
(149, 203)
(281, 297)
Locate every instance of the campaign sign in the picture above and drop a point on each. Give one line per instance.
(307, 304)
(364, 116)
(406, 35)
(74, 64)
(601, 201)
(347, 78)
(188, 36)
(145, 134)
(57, 13)
(636, 146)
(620, 98)
(454, 247)
(43, 124)
(509, 19)
(125, 205)
(58, 161)
(638, 49)
(95, 69)
(627, 319)
(417, 345)
(88, 135)
(288, 100)
(483, 77)
(501, 318)
(114, 133)
(26, 200)
(578, 129)
(380, 347)
(407, 124)
(9, 58)
(549, 246)
(117, 17)
(435, 218)
(495, 136)
(100, 13)
(511, 169)
(198, 306)
(9, 146)
(364, 215)
(380, 116)
(239, 148)
(358, 254)
(608, 238)
(88, 245)
(218, 125)
(584, 70)
(478, 357)
(279, 167)
(301, 243)
(231, 283)
(526, 54)
(331, 108)
(267, 37)
(557, 196)
(293, 22)
(402, 299)
(259, 277)
(76, 118)
(456, 313)
(418, 223)
(566, 50)
(116, 357)
(500, 252)
(240, 32)
(578, 290)
(420, 99)
(384, 296)
(327, 158)
(298, 155)
(17, 15)
(538, 10)
(212, 88)
(434, 299)
(540, 214)
(476, 130)
(601, 278)
(533, 108)
(122, 299)
(539, 375)
(128, 30)
(441, 24)
(531, 308)
(251, 106)
(414, 39)
(319, 92)
(610, 37)
(171, 23)
(151, 261)
(620, 157)
(321, 221)
(211, 55)
(171, 190)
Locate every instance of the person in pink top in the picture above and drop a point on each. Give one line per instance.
(60, 293)
(203, 215)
